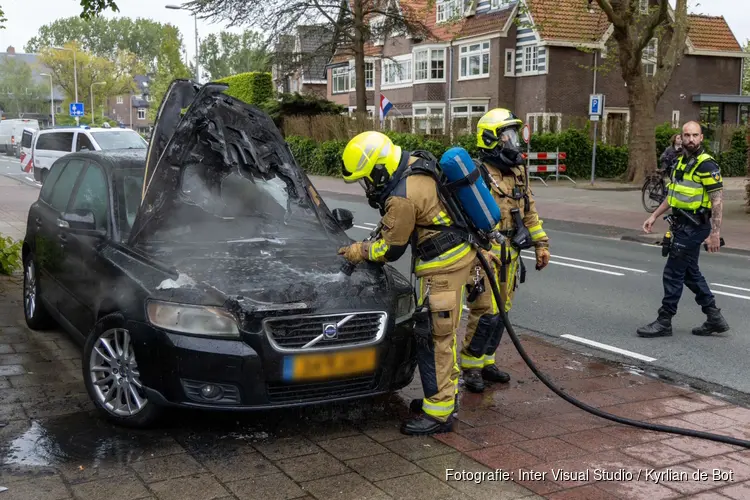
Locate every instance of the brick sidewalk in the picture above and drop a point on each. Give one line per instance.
(15, 199)
(54, 447)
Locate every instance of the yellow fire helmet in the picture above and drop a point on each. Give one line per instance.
(492, 123)
(367, 151)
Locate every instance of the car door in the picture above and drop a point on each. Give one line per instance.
(51, 146)
(78, 276)
(44, 227)
(83, 143)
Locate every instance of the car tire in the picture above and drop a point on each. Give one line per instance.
(111, 376)
(36, 315)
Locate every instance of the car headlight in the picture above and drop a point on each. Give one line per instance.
(193, 320)
(405, 308)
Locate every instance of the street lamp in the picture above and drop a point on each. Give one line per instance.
(75, 73)
(51, 98)
(195, 15)
(92, 99)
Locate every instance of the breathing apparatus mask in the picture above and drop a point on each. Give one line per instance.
(507, 152)
(375, 185)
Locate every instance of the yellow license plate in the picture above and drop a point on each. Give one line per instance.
(329, 365)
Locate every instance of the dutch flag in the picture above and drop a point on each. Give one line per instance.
(385, 106)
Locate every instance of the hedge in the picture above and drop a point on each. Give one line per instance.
(611, 161)
(253, 88)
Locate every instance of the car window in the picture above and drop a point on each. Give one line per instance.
(56, 141)
(49, 182)
(64, 185)
(84, 142)
(26, 138)
(92, 195)
(119, 139)
(129, 186)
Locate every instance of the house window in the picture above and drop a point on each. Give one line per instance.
(465, 116)
(541, 123)
(676, 118)
(744, 115)
(396, 72)
(530, 59)
(649, 57)
(376, 30)
(510, 62)
(114, 111)
(369, 75)
(119, 99)
(615, 123)
(475, 60)
(340, 79)
(643, 6)
(448, 10)
(141, 113)
(496, 4)
(429, 119)
(429, 64)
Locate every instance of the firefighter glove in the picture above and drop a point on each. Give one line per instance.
(354, 253)
(542, 258)
(491, 258)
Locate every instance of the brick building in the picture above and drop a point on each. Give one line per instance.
(131, 110)
(528, 57)
(300, 61)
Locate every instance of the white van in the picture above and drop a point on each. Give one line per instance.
(27, 140)
(53, 143)
(10, 134)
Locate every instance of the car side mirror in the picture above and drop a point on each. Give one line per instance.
(344, 217)
(80, 222)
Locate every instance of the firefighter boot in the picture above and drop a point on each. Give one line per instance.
(415, 406)
(714, 324)
(662, 327)
(425, 425)
(492, 373)
(473, 380)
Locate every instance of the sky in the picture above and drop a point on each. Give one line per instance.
(24, 17)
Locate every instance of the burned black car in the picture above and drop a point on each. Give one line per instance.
(204, 273)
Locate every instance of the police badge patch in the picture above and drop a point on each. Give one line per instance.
(716, 175)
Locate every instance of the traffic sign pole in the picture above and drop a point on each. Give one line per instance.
(596, 109)
(526, 134)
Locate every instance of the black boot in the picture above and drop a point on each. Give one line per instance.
(491, 373)
(473, 380)
(425, 425)
(662, 327)
(714, 324)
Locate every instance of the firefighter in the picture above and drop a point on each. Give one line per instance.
(408, 203)
(499, 152)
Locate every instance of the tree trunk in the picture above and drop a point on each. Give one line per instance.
(359, 57)
(747, 181)
(642, 136)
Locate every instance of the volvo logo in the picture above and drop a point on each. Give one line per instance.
(330, 331)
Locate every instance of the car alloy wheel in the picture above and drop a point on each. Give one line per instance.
(114, 374)
(29, 289)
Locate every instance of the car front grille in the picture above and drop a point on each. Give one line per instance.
(279, 392)
(307, 332)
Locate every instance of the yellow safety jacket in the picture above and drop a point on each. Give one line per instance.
(690, 184)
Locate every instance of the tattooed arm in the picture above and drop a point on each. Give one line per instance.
(717, 205)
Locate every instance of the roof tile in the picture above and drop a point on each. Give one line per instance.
(712, 33)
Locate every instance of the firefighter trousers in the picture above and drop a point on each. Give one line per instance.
(485, 326)
(436, 346)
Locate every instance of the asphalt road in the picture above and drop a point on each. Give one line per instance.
(600, 289)
(11, 166)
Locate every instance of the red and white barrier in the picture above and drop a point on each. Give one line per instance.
(554, 169)
(545, 156)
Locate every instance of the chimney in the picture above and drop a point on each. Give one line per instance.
(11, 50)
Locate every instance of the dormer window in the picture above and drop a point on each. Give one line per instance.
(447, 10)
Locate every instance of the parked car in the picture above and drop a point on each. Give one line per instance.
(53, 143)
(10, 133)
(215, 287)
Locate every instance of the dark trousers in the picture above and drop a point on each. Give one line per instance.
(682, 269)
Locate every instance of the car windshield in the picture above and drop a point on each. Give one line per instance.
(128, 185)
(119, 139)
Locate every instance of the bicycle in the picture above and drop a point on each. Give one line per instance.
(654, 190)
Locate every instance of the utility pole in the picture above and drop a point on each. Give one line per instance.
(92, 99)
(51, 98)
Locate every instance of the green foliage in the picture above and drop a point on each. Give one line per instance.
(170, 67)
(10, 255)
(664, 133)
(67, 120)
(228, 54)
(252, 88)
(288, 105)
(92, 8)
(20, 94)
(733, 162)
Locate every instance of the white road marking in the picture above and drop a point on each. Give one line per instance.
(370, 224)
(578, 267)
(610, 348)
(30, 179)
(731, 295)
(732, 287)
(363, 227)
(648, 244)
(593, 262)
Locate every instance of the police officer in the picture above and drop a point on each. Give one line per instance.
(408, 203)
(499, 152)
(695, 196)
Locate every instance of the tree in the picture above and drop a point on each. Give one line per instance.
(230, 54)
(746, 76)
(106, 37)
(117, 75)
(353, 23)
(19, 94)
(169, 67)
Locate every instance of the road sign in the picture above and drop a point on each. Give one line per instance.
(596, 104)
(526, 133)
(76, 109)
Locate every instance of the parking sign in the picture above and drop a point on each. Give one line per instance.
(76, 109)
(596, 104)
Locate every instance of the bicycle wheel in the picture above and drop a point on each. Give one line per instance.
(653, 194)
